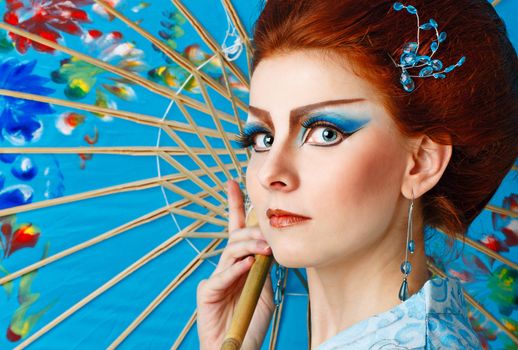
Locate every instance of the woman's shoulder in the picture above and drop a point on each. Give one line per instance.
(447, 323)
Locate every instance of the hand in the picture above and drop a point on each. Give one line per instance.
(217, 296)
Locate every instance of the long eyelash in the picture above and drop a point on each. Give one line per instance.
(319, 121)
(246, 138)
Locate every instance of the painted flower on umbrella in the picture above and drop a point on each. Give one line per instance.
(506, 224)
(485, 330)
(171, 31)
(17, 236)
(175, 76)
(6, 45)
(19, 122)
(81, 77)
(500, 284)
(23, 319)
(45, 18)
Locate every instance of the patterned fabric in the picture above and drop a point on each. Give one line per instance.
(433, 318)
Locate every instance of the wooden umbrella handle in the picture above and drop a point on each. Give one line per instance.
(249, 296)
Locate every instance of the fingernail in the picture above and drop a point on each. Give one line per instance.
(267, 248)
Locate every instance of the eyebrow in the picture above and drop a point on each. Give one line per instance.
(297, 113)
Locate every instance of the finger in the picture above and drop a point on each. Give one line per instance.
(223, 280)
(238, 250)
(236, 207)
(246, 233)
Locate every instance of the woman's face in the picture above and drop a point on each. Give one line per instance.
(345, 174)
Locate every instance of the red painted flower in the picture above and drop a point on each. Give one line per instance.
(26, 235)
(45, 18)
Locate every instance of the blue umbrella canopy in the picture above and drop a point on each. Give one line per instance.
(116, 126)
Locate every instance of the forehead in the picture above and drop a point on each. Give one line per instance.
(286, 81)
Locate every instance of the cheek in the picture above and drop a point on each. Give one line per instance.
(254, 189)
(358, 182)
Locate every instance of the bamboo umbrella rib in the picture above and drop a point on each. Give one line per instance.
(121, 150)
(242, 32)
(203, 138)
(156, 214)
(186, 272)
(131, 116)
(484, 250)
(175, 56)
(238, 120)
(214, 116)
(184, 331)
(212, 253)
(209, 40)
(172, 134)
(206, 235)
(129, 186)
(157, 251)
(502, 211)
(301, 278)
(205, 142)
(194, 215)
(308, 323)
(194, 199)
(436, 270)
(135, 78)
(277, 317)
(196, 179)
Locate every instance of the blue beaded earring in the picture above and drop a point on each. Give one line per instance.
(278, 295)
(410, 58)
(406, 266)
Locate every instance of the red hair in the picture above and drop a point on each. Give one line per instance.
(475, 108)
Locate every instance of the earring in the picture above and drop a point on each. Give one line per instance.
(280, 272)
(406, 267)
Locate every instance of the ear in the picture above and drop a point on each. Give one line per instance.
(425, 166)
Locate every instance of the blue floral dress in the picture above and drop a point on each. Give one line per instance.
(433, 318)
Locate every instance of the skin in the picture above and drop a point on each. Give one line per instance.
(356, 193)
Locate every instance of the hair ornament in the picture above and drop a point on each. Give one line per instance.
(410, 58)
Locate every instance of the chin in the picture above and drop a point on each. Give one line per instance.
(288, 258)
(290, 262)
(289, 248)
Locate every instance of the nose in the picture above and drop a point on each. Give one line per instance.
(278, 171)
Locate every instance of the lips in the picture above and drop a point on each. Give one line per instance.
(281, 218)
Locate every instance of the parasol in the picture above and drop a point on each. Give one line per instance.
(116, 126)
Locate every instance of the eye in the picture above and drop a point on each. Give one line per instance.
(323, 135)
(258, 137)
(262, 141)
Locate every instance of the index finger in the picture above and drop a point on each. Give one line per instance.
(236, 207)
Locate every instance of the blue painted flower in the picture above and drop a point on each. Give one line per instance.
(15, 195)
(19, 121)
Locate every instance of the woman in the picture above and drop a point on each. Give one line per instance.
(357, 148)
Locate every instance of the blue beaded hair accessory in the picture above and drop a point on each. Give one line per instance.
(410, 58)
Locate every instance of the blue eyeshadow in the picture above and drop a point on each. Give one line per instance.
(344, 123)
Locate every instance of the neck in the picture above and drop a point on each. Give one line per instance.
(358, 287)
